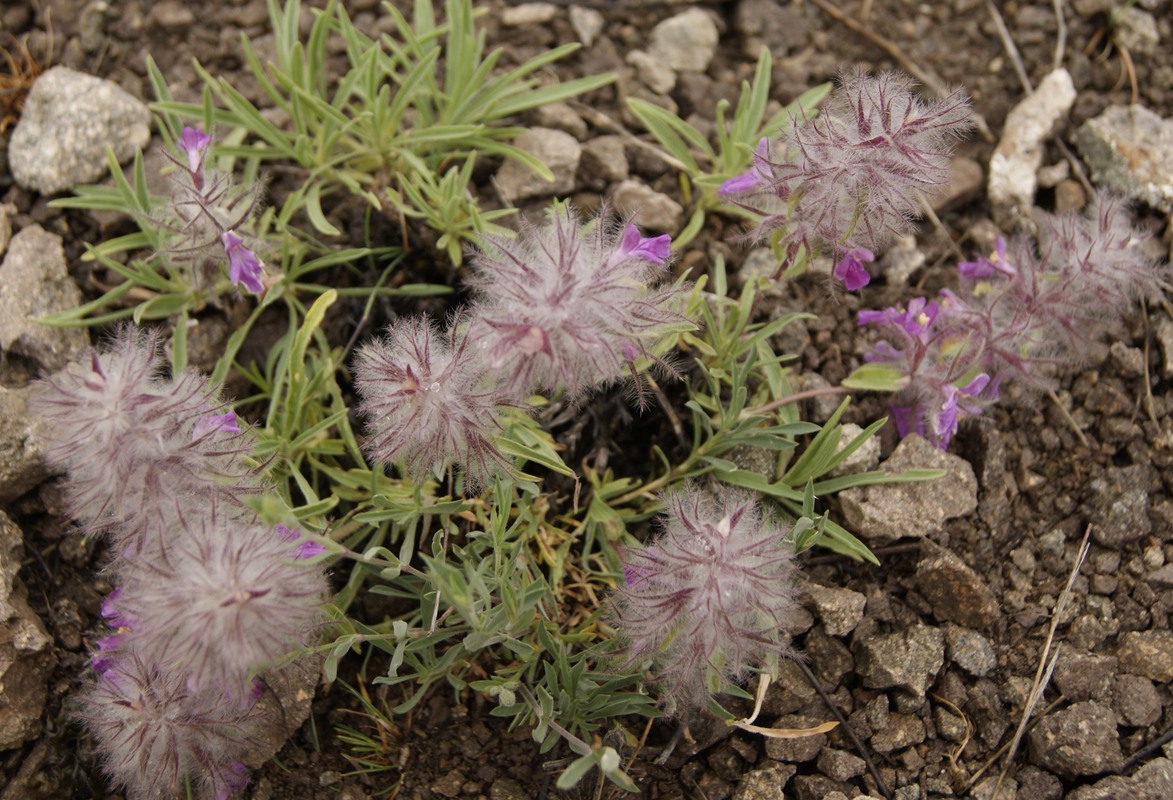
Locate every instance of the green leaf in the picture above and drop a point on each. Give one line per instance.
(876, 377)
(576, 771)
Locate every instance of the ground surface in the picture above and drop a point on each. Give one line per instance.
(1040, 483)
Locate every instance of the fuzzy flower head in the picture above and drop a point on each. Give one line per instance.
(129, 436)
(706, 600)
(564, 305)
(849, 178)
(230, 597)
(152, 730)
(431, 401)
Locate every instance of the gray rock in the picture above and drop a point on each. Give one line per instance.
(902, 260)
(804, 748)
(34, 282)
(765, 784)
(768, 23)
(26, 660)
(558, 150)
(840, 765)
(1135, 30)
(1080, 676)
(283, 707)
(966, 179)
(955, 591)
(1019, 154)
(902, 730)
(885, 513)
(839, 609)
(685, 42)
(652, 72)
(1136, 701)
(604, 161)
(1153, 781)
(561, 116)
(587, 24)
(1120, 505)
(69, 120)
(971, 651)
(22, 462)
(1130, 149)
(1147, 653)
(652, 211)
(907, 659)
(6, 212)
(1129, 359)
(508, 788)
(866, 457)
(172, 16)
(1079, 740)
(995, 788)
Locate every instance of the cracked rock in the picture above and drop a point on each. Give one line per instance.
(1129, 149)
(1079, 740)
(558, 150)
(955, 591)
(907, 659)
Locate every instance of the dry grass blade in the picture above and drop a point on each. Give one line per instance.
(15, 83)
(1046, 667)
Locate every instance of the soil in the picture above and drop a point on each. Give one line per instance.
(1046, 468)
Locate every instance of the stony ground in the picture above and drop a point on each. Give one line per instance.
(930, 658)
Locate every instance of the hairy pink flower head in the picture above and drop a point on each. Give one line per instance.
(563, 305)
(431, 402)
(850, 177)
(152, 730)
(129, 437)
(229, 597)
(706, 601)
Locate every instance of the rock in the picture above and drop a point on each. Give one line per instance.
(283, 707)
(840, 765)
(839, 609)
(995, 788)
(908, 659)
(22, 462)
(172, 16)
(1129, 149)
(770, 24)
(1153, 781)
(604, 161)
(1147, 653)
(652, 211)
(6, 212)
(1135, 30)
(68, 121)
(652, 72)
(1080, 676)
(26, 660)
(558, 150)
(528, 14)
(1079, 740)
(561, 116)
(867, 456)
(815, 787)
(1136, 701)
(902, 260)
(1165, 339)
(955, 591)
(1120, 505)
(1019, 154)
(884, 513)
(508, 788)
(765, 784)
(685, 42)
(34, 282)
(587, 24)
(902, 730)
(966, 178)
(1130, 360)
(1069, 197)
(971, 651)
(804, 748)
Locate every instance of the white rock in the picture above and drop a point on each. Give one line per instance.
(1019, 154)
(528, 14)
(652, 72)
(1130, 149)
(587, 24)
(69, 119)
(685, 42)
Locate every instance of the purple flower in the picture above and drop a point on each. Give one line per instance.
(706, 601)
(243, 264)
(850, 268)
(915, 320)
(759, 174)
(945, 421)
(656, 249)
(306, 548)
(988, 267)
(216, 422)
(194, 142)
